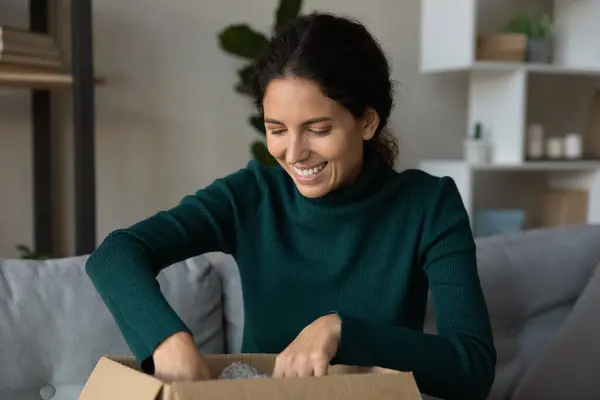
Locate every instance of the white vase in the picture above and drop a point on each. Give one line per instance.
(555, 148)
(477, 151)
(535, 142)
(573, 146)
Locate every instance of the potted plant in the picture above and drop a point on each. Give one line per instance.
(538, 28)
(248, 44)
(477, 149)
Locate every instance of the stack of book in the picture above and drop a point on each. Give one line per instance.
(21, 48)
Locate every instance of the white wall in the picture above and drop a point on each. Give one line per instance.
(169, 121)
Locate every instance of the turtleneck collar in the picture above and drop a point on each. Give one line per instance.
(365, 184)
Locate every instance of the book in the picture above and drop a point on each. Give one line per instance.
(19, 47)
(29, 61)
(18, 36)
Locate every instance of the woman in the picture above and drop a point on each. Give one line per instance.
(336, 250)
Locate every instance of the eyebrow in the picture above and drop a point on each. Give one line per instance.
(307, 122)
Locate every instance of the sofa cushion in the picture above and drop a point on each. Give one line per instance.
(569, 368)
(531, 281)
(55, 326)
(233, 301)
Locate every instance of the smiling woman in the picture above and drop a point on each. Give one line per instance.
(337, 251)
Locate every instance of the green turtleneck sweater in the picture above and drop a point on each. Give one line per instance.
(369, 251)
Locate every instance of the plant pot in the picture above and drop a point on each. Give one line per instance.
(539, 51)
(477, 152)
(502, 47)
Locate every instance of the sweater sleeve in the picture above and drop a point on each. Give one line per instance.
(125, 265)
(459, 362)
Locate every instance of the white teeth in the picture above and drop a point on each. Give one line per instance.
(309, 172)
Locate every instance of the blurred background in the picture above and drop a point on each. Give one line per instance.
(168, 120)
(164, 118)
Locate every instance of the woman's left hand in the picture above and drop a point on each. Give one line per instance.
(312, 350)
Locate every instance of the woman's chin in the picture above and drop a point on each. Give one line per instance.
(314, 191)
(312, 188)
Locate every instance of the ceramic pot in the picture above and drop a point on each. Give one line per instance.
(477, 151)
(539, 51)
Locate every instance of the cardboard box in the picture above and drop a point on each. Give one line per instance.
(563, 207)
(119, 379)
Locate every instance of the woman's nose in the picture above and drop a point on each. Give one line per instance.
(296, 149)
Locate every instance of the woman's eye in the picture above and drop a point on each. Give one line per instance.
(320, 131)
(277, 131)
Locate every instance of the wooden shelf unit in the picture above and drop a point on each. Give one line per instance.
(81, 83)
(31, 78)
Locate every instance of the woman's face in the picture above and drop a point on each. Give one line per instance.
(317, 141)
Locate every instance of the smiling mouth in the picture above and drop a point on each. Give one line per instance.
(309, 173)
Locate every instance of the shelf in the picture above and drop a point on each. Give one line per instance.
(542, 166)
(502, 67)
(518, 186)
(23, 77)
(449, 31)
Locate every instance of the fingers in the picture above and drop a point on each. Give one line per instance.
(278, 370)
(321, 369)
(299, 366)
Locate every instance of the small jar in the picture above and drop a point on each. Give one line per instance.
(573, 146)
(555, 148)
(535, 141)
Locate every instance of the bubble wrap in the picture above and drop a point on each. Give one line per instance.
(237, 370)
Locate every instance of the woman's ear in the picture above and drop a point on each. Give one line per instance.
(371, 123)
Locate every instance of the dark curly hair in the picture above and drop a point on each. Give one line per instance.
(344, 59)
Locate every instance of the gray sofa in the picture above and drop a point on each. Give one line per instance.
(542, 288)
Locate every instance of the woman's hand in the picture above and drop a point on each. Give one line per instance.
(178, 359)
(312, 350)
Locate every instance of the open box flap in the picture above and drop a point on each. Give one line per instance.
(396, 386)
(117, 380)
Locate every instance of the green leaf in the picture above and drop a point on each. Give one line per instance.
(261, 153)
(287, 11)
(23, 248)
(531, 24)
(242, 89)
(244, 86)
(26, 252)
(29, 254)
(258, 122)
(243, 41)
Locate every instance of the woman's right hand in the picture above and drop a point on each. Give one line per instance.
(178, 359)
